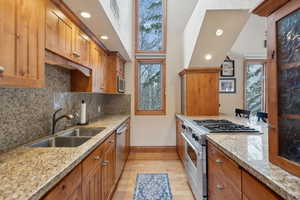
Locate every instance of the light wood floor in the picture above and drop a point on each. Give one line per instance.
(159, 163)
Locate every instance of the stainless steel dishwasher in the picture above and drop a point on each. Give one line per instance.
(121, 151)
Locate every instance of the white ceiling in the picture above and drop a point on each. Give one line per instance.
(232, 22)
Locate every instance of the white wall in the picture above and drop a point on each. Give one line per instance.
(123, 24)
(249, 44)
(160, 130)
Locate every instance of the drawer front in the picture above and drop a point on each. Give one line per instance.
(95, 158)
(67, 186)
(221, 186)
(253, 189)
(224, 175)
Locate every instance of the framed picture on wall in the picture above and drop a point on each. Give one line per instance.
(227, 68)
(227, 85)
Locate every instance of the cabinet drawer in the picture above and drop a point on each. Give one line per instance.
(95, 158)
(224, 175)
(253, 189)
(67, 186)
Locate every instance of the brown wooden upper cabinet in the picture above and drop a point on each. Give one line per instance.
(81, 47)
(283, 72)
(22, 36)
(200, 91)
(59, 30)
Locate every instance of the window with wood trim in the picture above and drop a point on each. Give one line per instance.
(150, 69)
(151, 26)
(150, 87)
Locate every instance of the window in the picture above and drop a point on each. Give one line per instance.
(150, 87)
(150, 50)
(254, 91)
(150, 26)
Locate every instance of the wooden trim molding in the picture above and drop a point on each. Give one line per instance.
(200, 70)
(266, 7)
(163, 87)
(153, 149)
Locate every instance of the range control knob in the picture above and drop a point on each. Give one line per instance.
(196, 138)
(194, 135)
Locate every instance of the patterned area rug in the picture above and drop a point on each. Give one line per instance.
(152, 187)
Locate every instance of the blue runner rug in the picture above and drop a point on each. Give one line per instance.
(152, 187)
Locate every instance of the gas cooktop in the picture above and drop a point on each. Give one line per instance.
(223, 126)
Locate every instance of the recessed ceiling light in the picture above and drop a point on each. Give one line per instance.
(219, 32)
(104, 37)
(85, 15)
(208, 57)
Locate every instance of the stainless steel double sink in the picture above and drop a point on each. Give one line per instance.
(68, 138)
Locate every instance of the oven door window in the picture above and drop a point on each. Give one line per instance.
(192, 155)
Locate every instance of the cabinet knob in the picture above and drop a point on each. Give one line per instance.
(220, 187)
(2, 69)
(97, 158)
(218, 161)
(105, 163)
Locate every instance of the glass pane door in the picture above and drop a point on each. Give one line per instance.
(288, 44)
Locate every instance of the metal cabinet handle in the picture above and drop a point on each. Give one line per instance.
(2, 69)
(218, 161)
(220, 187)
(97, 158)
(105, 163)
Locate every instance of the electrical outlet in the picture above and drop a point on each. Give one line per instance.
(99, 109)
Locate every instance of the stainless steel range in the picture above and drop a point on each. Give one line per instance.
(195, 149)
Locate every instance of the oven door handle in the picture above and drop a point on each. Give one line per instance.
(187, 140)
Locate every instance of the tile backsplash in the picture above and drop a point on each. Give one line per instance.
(25, 114)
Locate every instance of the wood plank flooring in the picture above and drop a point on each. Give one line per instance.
(153, 163)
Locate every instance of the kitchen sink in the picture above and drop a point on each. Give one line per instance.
(79, 132)
(60, 142)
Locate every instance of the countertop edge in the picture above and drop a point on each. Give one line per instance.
(56, 179)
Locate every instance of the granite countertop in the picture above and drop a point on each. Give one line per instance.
(29, 173)
(250, 151)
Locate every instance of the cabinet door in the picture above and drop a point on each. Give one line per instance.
(253, 189)
(81, 47)
(108, 172)
(92, 185)
(95, 63)
(22, 48)
(127, 144)
(103, 66)
(179, 139)
(284, 83)
(58, 31)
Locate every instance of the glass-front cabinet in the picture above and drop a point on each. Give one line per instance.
(284, 86)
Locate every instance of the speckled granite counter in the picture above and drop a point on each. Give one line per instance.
(28, 173)
(251, 153)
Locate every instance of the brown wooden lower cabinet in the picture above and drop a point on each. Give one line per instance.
(227, 180)
(179, 139)
(253, 189)
(93, 179)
